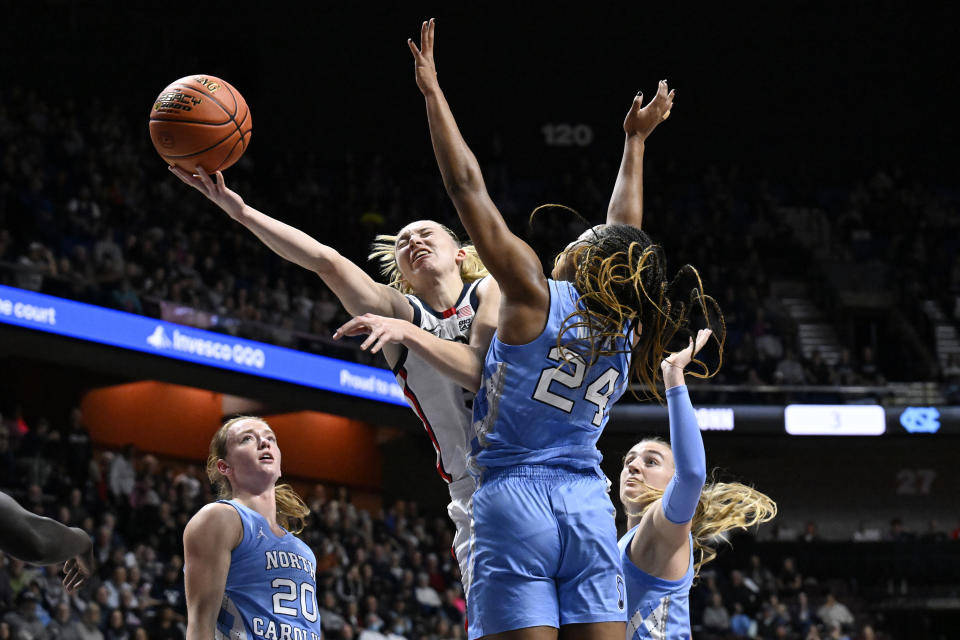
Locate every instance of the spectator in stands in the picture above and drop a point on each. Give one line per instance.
(23, 620)
(59, 628)
(789, 582)
(817, 370)
(427, 596)
(867, 633)
(761, 577)
(833, 613)
(748, 595)
(810, 532)
(33, 266)
(716, 619)
(789, 371)
(869, 372)
(845, 370)
(121, 474)
(116, 626)
(741, 624)
(331, 621)
(897, 533)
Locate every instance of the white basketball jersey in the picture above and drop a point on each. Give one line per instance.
(444, 406)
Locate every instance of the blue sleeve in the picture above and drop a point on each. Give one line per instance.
(681, 496)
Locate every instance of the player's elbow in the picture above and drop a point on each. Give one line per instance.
(694, 474)
(473, 383)
(323, 261)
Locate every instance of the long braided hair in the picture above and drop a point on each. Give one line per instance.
(629, 303)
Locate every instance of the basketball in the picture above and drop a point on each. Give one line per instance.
(200, 121)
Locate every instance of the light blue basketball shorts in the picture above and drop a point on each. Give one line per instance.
(544, 551)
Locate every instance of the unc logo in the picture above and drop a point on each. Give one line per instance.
(620, 592)
(920, 419)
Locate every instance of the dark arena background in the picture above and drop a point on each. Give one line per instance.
(809, 170)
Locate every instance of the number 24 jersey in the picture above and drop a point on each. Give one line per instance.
(539, 403)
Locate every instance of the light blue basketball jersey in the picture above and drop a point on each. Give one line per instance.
(535, 408)
(271, 588)
(657, 609)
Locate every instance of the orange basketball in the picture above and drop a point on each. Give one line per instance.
(200, 121)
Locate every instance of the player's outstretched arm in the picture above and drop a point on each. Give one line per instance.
(357, 291)
(208, 541)
(626, 202)
(508, 258)
(664, 529)
(40, 540)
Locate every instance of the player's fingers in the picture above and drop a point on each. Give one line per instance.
(69, 580)
(220, 182)
(702, 337)
(382, 340)
(346, 327)
(374, 334)
(424, 35)
(413, 49)
(431, 32)
(204, 177)
(70, 583)
(350, 328)
(183, 175)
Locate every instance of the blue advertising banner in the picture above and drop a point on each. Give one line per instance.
(148, 335)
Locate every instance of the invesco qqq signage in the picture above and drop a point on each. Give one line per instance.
(834, 420)
(148, 335)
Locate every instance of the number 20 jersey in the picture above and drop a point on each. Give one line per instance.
(271, 589)
(535, 408)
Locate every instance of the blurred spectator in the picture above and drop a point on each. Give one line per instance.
(741, 624)
(122, 477)
(789, 582)
(833, 613)
(817, 370)
(427, 596)
(897, 533)
(716, 619)
(33, 266)
(789, 371)
(23, 620)
(810, 532)
(869, 371)
(60, 627)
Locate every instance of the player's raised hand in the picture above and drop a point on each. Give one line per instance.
(217, 192)
(640, 120)
(673, 365)
(426, 70)
(381, 330)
